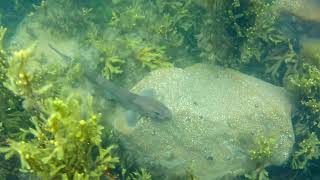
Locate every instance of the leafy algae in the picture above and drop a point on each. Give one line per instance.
(134, 37)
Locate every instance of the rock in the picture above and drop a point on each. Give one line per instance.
(217, 115)
(307, 10)
(310, 50)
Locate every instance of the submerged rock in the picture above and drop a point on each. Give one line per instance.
(310, 50)
(307, 10)
(218, 113)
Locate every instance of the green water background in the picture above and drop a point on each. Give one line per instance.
(254, 37)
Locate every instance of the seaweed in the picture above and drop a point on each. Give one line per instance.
(306, 86)
(112, 62)
(80, 16)
(261, 155)
(250, 33)
(135, 37)
(12, 117)
(152, 57)
(309, 149)
(63, 145)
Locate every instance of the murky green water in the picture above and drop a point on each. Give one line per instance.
(159, 89)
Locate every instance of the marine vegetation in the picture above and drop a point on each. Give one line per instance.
(46, 146)
(12, 13)
(308, 150)
(63, 145)
(12, 115)
(142, 34)
(62, 140)
(3, 55)
(252, 31)
(276, 40)
(306, 85)
(260, 155)
(54, 129)
(24, 77)
(152, 57)
(77, 21)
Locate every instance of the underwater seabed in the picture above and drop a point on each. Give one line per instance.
(225, 124)
(218, 114)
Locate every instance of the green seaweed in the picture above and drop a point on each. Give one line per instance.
(3, 55)
(63, 144)
(128, 18)
(12, 118)
(115, 53)
(309, 149)
(19, 76)
(142, 174)
(137, 36)
(306, 86)
(263, 150)
(249, 34)
(152, 57)
(65, 18)
(162, 23)
(261, 155)
(112, 62)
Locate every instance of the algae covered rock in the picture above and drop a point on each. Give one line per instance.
(310, 50)
(307, 10)
(218, 114)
